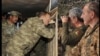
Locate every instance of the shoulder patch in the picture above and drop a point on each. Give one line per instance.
(77, 32)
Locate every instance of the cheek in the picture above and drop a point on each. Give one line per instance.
(15, 19)
(84, 16)
(48, 19)
(87, 20)
(87, 17)
(72, 21)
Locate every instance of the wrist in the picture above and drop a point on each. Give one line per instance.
(65, 23)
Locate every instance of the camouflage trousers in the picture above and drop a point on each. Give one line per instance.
(4, 49)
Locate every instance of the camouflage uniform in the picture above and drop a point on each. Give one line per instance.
(71, 36)
(40, 49)
(7, 31)
(41, 45)
(89, 44)
(27, 36)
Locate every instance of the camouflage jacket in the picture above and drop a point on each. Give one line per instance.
(89, 44)
(40, 49)
(71, 36)
(27, 36)
(7, 31)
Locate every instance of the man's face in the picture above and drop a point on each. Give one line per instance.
(73, 20)
(13, 19)
(47, 19)
(86, 15)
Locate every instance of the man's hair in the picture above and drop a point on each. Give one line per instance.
(42, 13)
(76, 12)
(94, 6)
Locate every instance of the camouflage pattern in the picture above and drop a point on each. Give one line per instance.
(14, 13)
(7, 31)
(89, 44)
(40, 48)
(71, 36)
(63, 8)
(36, 50)
(27, 36)
(42, 44)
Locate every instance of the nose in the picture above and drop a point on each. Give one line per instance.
(82, 16)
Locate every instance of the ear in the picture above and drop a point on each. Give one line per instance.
(92, 14)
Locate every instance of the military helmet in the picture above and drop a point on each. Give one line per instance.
(14, 13)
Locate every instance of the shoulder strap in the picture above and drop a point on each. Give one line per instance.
(95, 27)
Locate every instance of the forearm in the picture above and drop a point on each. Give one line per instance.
(64, 33)
(45, 31)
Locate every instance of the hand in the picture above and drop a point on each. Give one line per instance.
(64, 19)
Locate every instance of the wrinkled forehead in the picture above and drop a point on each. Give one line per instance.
(86, 7)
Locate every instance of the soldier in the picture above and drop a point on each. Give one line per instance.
(8, 28)
(72, 34)
(89, 44)
(42, 44)
(29, 34)
(91, 17)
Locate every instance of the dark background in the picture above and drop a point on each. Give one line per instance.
(28, 8)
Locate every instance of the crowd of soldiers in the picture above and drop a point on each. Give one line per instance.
(79, 33)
